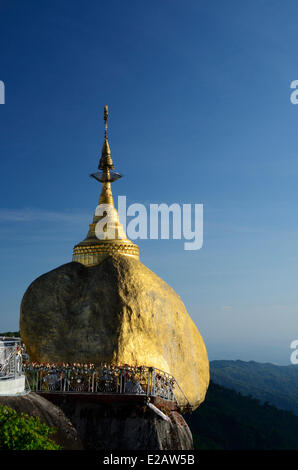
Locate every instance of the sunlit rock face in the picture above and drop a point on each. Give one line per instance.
(116, 312)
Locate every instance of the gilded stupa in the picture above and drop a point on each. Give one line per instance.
(93, 250)
(107, 307)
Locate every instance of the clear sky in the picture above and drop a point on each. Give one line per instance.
(200, 112)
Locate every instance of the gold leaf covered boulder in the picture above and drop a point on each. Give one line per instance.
(118, 312)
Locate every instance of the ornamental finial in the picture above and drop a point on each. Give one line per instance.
(106, 116)
(106, 175)
(106, 161)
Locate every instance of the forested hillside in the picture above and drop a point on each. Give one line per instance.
(229, 420)
(277, 385)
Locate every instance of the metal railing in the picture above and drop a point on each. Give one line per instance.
(100, 379)
(10, 358)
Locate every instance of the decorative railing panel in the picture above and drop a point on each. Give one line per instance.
(100, 379)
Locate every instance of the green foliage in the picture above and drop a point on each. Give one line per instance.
(19, 431)
(229, 420)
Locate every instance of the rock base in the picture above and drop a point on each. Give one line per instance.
(34, 405)
(114, 425)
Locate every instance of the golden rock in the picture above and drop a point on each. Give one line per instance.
(116, 312)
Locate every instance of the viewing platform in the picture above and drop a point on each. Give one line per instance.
(12, 377)
(103, 382)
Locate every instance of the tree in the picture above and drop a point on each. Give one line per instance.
(19, 431)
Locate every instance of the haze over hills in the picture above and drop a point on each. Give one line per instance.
(277, 385)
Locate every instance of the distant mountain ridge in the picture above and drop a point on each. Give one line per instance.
(277, 385)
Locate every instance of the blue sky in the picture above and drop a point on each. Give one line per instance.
(200, 112)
